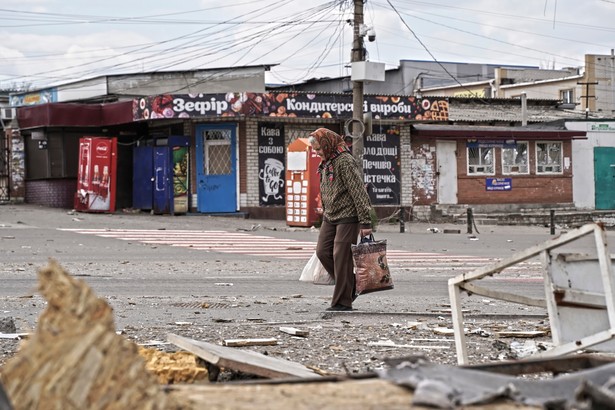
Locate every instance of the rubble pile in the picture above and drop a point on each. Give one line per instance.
(75, 359)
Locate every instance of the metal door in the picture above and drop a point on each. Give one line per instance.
(604, 177)
(163, 183)
(142, 177)
(446, 163)
(216, 168)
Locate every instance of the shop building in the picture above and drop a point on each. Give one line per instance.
(415, 159)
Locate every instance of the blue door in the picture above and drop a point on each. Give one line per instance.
(216, 171)
(163, 184)
(142, 181)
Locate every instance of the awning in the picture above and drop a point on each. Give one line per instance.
(75, 115)
(494, 133)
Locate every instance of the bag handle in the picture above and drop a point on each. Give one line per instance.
(368, 238)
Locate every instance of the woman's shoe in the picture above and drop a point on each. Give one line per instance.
(339, 308)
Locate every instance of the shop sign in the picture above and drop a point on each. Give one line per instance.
(491, 144)
(273, 104)
(271, 163)
(498, 184)
(381, 164)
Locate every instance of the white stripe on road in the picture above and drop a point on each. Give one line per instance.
(267, 246)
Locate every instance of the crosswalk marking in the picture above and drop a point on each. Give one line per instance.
(267, 246)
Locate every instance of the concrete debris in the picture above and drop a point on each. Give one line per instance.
(294, 331)
(527, 349)
(253, 228)
(7, 325)
(74, 359)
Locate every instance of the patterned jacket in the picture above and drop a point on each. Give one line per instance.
(344, 197)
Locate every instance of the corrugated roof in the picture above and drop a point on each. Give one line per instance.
(496, 132)
(493, 112)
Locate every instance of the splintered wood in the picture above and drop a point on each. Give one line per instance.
(75, 360)
(173, 368)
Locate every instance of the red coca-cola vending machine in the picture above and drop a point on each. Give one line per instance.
(96, 175)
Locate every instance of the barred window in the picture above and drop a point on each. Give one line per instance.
(515, 159)
(548, 157)
(480, 160)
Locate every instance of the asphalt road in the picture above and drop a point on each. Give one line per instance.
(148, 277)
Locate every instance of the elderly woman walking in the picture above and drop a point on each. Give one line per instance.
(346, 213)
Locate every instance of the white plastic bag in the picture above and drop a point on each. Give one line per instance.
(314, 272)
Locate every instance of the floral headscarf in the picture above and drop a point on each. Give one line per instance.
(332, 146)
(330, 142)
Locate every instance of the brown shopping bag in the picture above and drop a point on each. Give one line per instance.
(371, 268)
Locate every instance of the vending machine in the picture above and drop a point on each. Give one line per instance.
(302, 184)
(96, 175)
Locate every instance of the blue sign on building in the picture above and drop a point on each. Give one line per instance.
(498, 184)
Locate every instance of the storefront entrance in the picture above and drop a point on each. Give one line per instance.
(216, 168)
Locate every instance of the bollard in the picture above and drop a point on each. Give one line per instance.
(552, 214)
(402, 222)
(470, 218)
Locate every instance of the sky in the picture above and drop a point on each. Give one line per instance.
(51, 42)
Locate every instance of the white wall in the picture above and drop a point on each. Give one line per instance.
(599, 134)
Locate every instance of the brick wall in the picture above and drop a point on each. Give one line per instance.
(406, 173)
(17, 165)
(54, 193)
(249, 176)
(526, 189)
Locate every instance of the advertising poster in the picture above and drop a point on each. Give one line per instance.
(381, 163)
(271, 173)
(279, 104)
(180, 179)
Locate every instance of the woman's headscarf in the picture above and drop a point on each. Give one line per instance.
(330, 142)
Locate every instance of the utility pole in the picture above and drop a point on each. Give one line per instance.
(358, 54)
(587, 96)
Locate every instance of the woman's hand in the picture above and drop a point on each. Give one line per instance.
(365, 232)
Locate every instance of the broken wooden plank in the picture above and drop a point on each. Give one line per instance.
(294, 331)
(508, 296)
(271, 341)
(523, 334)
(443, 331)
(390, 343)
(15, 336)
(241, 360)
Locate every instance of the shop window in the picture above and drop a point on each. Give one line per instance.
(480, 160)
(548, 157)
(56, 156)
(515, 159)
